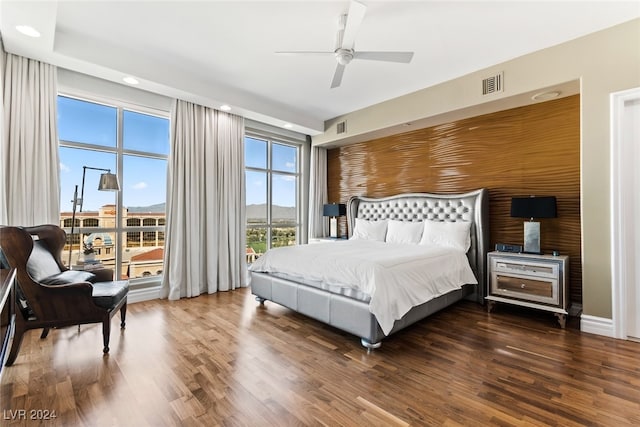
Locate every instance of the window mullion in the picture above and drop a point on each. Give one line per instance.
(119, 201)
(269, 194)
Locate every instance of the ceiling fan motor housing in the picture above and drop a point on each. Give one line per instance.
(344, 56)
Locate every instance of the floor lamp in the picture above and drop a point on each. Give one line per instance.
(108, 182)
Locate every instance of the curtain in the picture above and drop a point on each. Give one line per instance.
(205, 232)
(318, 225)
(29, 162)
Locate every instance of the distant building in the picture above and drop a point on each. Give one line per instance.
(143, 247)
(147, 263)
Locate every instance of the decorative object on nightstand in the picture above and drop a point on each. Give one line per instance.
(108, 182)
(533, 207)
(534, 281)
(334, 210)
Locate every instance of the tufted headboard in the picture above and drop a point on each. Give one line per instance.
(472, 207)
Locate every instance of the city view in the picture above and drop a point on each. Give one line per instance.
(90, 145)
(283, 229)
(143, 251)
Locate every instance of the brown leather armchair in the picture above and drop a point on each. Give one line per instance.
(50, 295)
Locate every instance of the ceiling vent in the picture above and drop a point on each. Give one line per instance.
(493, 84)
(341, 127)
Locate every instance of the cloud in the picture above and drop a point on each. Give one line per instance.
(64, 168)
(290, 165)
(140, 186)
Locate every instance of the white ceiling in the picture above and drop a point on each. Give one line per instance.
(222, 52)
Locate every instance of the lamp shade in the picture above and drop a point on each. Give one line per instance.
(533, 207)
(334, 209)
(108, 182)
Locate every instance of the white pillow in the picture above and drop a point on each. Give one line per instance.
(447, 234)
(370, 230)
(404, 232)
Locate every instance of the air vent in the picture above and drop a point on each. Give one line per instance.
(492, 84)
(341, 127)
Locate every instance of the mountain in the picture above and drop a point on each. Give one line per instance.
(253, 211)
(277, 212)
(158, 208)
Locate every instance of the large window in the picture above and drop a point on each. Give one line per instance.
(125, 228)
(272, 194)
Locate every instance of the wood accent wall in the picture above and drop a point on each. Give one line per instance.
(531, 150)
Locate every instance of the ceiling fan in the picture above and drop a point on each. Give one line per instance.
(345, 40)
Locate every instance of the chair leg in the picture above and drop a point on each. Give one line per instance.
(106, 331)
(18, 334)
(45, 332)
(123, 315)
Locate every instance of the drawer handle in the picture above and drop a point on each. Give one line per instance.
(523, 286)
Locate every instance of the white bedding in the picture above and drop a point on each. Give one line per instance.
(396, 276)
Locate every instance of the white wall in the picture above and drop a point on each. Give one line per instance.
(80, 84)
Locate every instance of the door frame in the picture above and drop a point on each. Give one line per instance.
(623, 254)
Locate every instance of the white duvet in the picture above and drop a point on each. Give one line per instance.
(396, 276)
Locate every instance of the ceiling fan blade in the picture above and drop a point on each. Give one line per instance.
(403, 57)
(337, 76)
(351, 27)
(304, 52)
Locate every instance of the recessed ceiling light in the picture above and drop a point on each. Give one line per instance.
(225, 107)
(545, 96)
(28, 30)
(287, 125)
(130, 80)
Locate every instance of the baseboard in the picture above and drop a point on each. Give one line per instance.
(143, 294)
(596, 325)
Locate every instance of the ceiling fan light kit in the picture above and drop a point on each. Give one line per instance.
(348, 26)
(344, 56)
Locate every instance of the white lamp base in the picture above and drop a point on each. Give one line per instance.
(532, 237)
(333, 227)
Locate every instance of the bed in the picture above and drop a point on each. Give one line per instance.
(318, 282)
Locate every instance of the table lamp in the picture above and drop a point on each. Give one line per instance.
(333, 211)
(533, 207)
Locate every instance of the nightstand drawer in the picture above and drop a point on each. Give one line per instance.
(529, 287)
(532, 268)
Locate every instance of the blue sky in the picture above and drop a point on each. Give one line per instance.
(144, 179)
(283, 159)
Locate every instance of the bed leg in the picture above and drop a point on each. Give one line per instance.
(261, 300)
(370, 345)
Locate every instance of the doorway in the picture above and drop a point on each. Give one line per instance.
(625, 205)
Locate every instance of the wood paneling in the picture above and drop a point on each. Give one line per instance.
(532, 150)
(224, 360)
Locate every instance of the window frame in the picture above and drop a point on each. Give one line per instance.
(299, 145)
(120, 152)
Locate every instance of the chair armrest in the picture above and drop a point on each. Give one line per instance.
(71, 301)
(78, 288)
(103, 274)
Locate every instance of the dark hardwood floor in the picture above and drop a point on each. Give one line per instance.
(225, 360)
